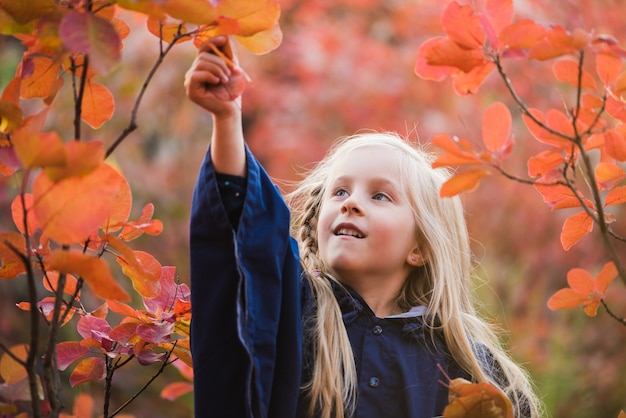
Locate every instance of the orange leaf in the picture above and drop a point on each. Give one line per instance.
(616, 196)
(558, 196)
(251, 16)
(558, 42)
(11, 265)
(468, 83)
(145, 223)
(605, 278)
(500, 13)
(566, 299)
(262, 41)
(608, 174)
(73, 208)
(10, 370)
(94, 271)
(82, 158)
(38, 149)
(477, 400)
(580, 280)
(83, 406)
(447, 53)
(175, 390)
(462, 26)
(69, 352)
(574, 228)
(144, 271)
(98, 104)
(24, 12)
(10, 117)
(17, 211)
(427, 71)
(191, 11)
(464, 182)
(544, 162)
(458, 151)
(496, 127)
(567, 71)
(51, 282)
(615, 144)
(539, 131)
(165, 30)
(523, 34)
(608, 67)
(41, 82)
(88, 370)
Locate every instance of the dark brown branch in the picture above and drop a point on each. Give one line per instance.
(613, 315)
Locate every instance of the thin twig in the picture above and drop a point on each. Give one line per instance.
(613, 315)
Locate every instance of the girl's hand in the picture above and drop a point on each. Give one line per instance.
(213, 83)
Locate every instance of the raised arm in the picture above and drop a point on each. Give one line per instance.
(217, 86)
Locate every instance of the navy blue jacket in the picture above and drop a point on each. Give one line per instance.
(249, 305)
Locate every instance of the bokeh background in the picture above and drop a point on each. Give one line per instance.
(345, 66)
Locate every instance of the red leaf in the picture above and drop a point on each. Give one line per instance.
(88, 370)
(92, 35)
(615, 144)
(574, 228)
(496, 127)
(69, 352)
(464, 182)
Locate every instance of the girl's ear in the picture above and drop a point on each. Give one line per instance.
(416, 257)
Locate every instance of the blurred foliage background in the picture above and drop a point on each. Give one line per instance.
(345, 66)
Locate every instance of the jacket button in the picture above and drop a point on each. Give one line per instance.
(377, 330)
(374, 382)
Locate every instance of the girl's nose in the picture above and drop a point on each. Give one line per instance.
(351, 204)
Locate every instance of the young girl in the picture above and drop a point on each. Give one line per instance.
(365, 313)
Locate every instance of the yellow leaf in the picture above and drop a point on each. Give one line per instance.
(10, 370)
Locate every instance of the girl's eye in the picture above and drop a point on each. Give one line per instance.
(380, 196)
(340, 193)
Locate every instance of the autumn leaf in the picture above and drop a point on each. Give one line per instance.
(167, 30)
(476, 400)
(615, 144)
(468, 83)
(557, 42)
(145, 224)
(447, 53)
(38, 149)
(94, 271)
(24, 12)
(90, 369)
(71, 209)
(98, 104)
(574, 228)
(496, 128)
(82, 158)
(10, 370)
(457, 151)
(51, 283)
(608, 67)
(584, 291)
(542, 164)
(263, 41)
(69, 352)
(568, 71)
(94, 36)
(41, 81)
(11, 265)
(559, 196)
(464, 182)
(523, 34)
(608, 174)
(18, 209)
(462, 26)
(10, 117)
(616, 196)
(144, 272)
(175, 390)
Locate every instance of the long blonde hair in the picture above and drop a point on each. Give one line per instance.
(442, 284)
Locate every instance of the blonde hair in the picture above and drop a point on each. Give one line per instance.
(442, 284)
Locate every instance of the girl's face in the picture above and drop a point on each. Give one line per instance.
(366, 227)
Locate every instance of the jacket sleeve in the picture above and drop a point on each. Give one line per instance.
(245, 330)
